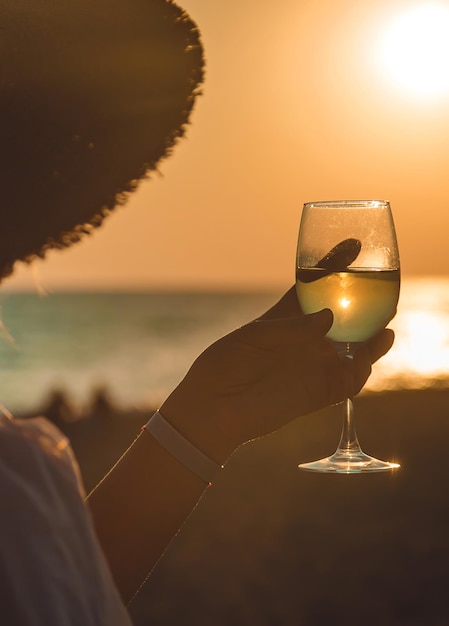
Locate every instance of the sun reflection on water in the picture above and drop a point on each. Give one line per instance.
(420, 355)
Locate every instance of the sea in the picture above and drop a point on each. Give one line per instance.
(136, 347)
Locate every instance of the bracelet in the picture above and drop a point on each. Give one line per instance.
(179, 447)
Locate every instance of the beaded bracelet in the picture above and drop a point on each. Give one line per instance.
(181, 448)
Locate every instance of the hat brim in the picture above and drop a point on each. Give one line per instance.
(94, 95)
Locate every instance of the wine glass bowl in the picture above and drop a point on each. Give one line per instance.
(348, 261)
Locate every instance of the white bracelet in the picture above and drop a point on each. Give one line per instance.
(179, 447)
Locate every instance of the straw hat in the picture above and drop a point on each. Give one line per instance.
(94, 93)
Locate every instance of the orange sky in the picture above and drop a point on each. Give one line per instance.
(296, 107)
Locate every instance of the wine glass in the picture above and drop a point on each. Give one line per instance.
(348, 261)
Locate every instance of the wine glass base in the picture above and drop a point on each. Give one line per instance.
(350, 462)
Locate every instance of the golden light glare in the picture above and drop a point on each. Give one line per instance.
(414, 50)
(424, 346)
(420, 355)
(344, 303)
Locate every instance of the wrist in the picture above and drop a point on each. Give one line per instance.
(180, 448)
(200, 423)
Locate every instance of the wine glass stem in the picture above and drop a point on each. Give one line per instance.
(349, 443)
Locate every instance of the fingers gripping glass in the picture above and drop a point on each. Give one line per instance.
(348, 261)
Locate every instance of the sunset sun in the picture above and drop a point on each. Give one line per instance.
(414, 50)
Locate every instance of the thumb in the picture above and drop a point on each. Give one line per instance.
(271, 333)
(287, 306)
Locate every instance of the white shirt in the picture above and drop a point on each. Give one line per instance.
(52, 570)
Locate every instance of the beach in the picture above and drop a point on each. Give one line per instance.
(270, 544)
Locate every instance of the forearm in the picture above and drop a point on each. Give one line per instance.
(139, 507)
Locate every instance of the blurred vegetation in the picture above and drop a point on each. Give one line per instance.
(271, 545)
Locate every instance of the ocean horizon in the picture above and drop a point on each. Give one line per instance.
(137, 345)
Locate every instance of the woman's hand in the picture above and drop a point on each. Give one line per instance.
(265, 374)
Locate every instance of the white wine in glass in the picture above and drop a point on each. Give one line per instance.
(348, 261)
